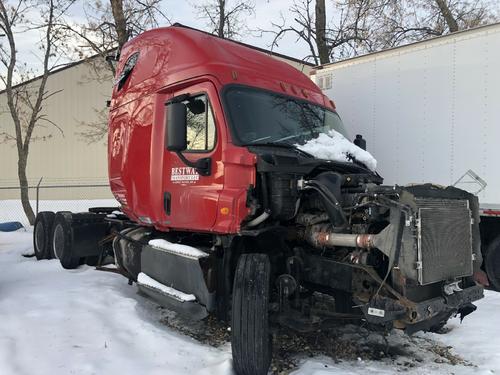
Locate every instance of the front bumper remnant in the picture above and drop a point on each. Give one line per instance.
(416, 316)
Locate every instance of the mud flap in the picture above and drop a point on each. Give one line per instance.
(466, 310)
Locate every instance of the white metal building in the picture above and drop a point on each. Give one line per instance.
(429, 110)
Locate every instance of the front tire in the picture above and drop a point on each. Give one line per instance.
(62, 241)
(42, 234)
(250, 334)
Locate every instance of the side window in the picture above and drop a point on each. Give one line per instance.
(200, 124)
(127, 69)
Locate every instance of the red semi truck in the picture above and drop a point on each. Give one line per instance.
(222, 212)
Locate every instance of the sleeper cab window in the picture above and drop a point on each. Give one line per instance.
(127, 69)
(200, 124)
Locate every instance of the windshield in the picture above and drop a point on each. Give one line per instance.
(263, 117)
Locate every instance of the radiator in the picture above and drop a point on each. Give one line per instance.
(444, 240)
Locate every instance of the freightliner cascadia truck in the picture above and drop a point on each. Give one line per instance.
(241, 197)
(431, 113)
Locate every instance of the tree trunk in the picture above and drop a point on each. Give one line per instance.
(222, 18)
(120, 22)
(447, 15)
(321, 43)
(23, 182)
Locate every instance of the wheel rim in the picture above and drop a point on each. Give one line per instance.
(39, 237)
(58, 241)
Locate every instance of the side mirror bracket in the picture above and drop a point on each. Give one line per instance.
(203, 166)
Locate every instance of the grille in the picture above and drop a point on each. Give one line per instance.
(444, 240)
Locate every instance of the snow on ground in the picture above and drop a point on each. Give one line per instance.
(84, 321)
(59, 322)
(334, 146)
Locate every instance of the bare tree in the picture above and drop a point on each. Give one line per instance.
(224, 16)
(447, 15)
(343, 28)
(25, 102)
(405, 21)
(462, 14)
(96, 130)
(349, 30)
(321, 42)
(106, 28)
(120, 24)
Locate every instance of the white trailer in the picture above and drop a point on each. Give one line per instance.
(430, 112)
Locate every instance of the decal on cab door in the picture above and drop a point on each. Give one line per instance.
(184, 175)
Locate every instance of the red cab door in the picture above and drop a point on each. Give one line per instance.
(189, 198)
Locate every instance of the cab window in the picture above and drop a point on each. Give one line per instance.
(127, 69)
(200, 124)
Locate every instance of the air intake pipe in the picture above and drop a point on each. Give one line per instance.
(323, 236)
(320, 236)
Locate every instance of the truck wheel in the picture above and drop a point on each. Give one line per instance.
(250, 335)
(492, 263)
(62, 241)
(42, 234)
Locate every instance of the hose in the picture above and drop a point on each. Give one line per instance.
(259, 219)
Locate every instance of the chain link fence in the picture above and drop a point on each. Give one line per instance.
(54, 197)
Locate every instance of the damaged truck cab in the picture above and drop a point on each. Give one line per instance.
(226, 213)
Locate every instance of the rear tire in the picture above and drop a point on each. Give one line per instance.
(62, 241)
(250, 335)
(42, 234)
(492, 263)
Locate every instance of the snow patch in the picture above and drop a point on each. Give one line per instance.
(183, 250)
(95, 318)
(144, 279)
(334, 146)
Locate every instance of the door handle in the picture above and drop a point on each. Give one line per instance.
(167, 202)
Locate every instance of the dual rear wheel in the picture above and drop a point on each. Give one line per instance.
(53, 238)
(62, 241)
(42, 235)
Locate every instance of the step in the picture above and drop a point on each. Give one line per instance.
(145, 280)
(180, 267)
(171, 298)
(177, 249)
